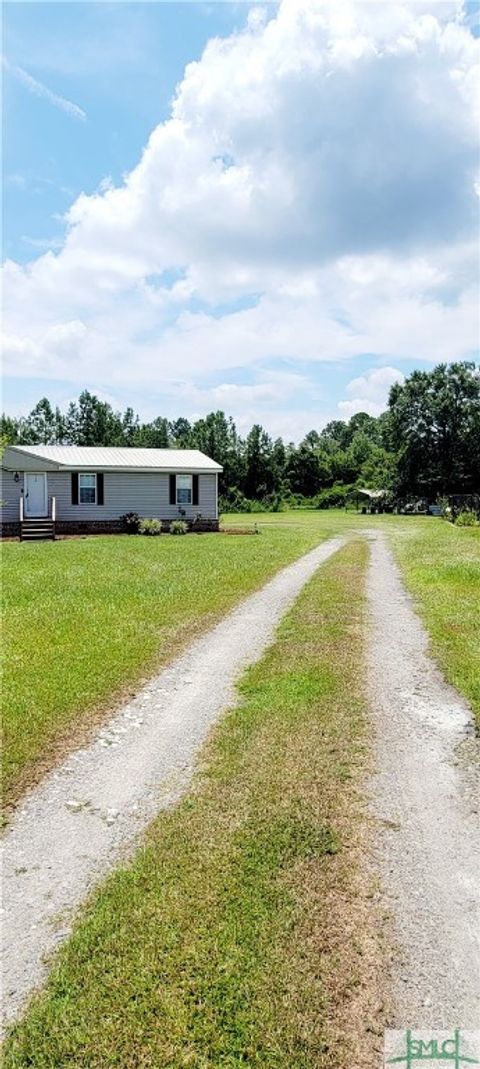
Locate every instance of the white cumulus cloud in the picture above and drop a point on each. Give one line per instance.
(311, 198)
(369, 392)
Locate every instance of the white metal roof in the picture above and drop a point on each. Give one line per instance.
(371, 493)
(108, 457)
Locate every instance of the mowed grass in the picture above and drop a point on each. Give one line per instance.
(243, 932)
(440, 564)
(86, 619)
(441, 568)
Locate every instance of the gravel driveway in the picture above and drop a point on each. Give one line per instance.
(87, 814)
(425, 795)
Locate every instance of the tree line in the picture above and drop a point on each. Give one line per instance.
(426, 444)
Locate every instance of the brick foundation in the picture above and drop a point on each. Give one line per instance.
(10, 530)
(92, 527)
(83, 527)
(117, 527)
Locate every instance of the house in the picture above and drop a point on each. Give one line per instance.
(86, 490)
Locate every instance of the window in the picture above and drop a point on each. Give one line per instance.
(87, 486)
(184, 489)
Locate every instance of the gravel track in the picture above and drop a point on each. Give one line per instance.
(86, 816)
(425, 797)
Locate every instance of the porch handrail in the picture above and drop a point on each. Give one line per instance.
(21, 508)
(54, 509)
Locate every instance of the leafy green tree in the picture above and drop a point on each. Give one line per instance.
(9, 429)
(258, 463)
(93, 422)
(435, 430)
(336, 435)
(41, 422)
(40, 425)
(368, 425)
(279, 463)
(180, 432)
(360, 449)
(344, 469)
(43, 425)
(379, 470)
(312, 440)
(154, 435)
(130, 426)
(304, 471)
(427, 442)
(216, 436)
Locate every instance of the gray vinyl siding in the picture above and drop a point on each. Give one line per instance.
(10, 496)
(143, 492)
(16, 459)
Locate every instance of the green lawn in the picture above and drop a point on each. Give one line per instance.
(243, 932)
(87, 619)
(84, 619)
(441, 568)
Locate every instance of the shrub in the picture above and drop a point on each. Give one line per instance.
(257, 506)
(178, 527)
(278, 504)
(150, 527)
(466, 518)
(233, 501)
(335, 496)
(131, 522)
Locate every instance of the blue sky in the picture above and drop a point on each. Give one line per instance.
(296, 235)
(127, 61)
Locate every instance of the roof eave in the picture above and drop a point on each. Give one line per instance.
(51, 465)
(191, 470)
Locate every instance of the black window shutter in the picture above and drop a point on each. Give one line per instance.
(173, 489)
(100, 488)
(74, 487)
(194, 489)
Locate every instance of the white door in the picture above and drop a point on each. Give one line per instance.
(36, 503)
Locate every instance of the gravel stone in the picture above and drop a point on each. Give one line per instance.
(426, 780)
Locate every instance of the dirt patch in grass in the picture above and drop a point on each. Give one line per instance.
(246, 930)
(239, 531)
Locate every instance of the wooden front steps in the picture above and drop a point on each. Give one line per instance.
(37, 530)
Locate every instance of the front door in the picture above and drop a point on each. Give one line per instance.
(36, 503)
